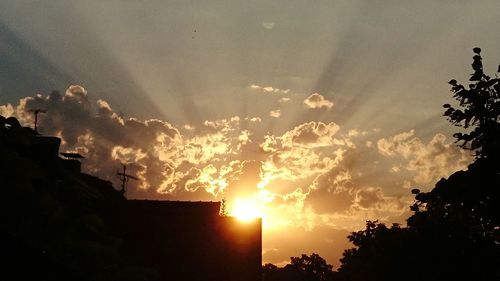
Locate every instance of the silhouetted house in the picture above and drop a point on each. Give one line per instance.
(46, 148)
(180, 240)
(191, 241)
(46, 151)
(71, 161)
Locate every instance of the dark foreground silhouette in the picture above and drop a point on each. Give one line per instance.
(60, 224)
(303, 268)
(454, 232)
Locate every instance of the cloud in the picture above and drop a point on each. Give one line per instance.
(244, 137)
(127, 155)
(428, 161)
(188, 127)
(253, 119)
(170, 161)
(337, 197)
(167, 159)
(312, 175)
(311, 134)
(268, 25)
(269, 89)
(283, 100)
(368, 197)
(358, 186)
(332, 191)
(317, 101)
(77, 92)
(372, 181)
(298, 152)
(401, 143)
(275, 113)
(7, 110)
(348, 208)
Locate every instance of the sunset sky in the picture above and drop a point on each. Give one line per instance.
(317, 115)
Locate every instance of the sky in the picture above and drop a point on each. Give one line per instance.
(316, 115)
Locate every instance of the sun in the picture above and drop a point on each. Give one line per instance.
(246, 209)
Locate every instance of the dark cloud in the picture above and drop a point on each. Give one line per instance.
(332, 192)
(101, 135)
(369, 197)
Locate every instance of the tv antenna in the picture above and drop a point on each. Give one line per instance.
(124, 177)
(37, 111)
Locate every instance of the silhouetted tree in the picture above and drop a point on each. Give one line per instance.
(473, 193)
(223, 207)
(479, 109)
(303, 268)
(270, 272)
(464, 210)
(380, 253)
(314, 267)
(454, 231)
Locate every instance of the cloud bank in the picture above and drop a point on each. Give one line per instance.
(315, 174)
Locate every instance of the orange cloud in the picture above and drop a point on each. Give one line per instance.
(311, 134)
(317, 101)
(275, 113)
(269, 89)
(429, 162)
(313, 175)
(127, 155)
(296, 154)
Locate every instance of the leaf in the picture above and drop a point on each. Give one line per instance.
(475, 77)
(449, 112)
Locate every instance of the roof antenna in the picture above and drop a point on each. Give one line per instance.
(36, 111)
(124, 178)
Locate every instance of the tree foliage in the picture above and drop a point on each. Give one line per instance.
(303, 268)
(455, 229)
(469, 200)
(369, 260)
(223, 208)
(479, 110)
(313, 266)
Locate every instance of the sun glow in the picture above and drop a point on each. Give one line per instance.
(246, 209)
